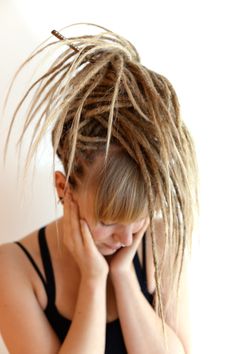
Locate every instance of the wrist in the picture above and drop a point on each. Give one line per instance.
(93, 282)
(119, 273)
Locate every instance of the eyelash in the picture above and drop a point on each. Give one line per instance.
(107, 225)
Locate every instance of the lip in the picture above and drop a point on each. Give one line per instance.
(112, 247)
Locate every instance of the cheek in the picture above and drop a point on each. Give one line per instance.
(101, 233)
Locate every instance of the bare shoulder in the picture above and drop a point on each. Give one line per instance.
(20, 310)
(15, 271)
(12, 258)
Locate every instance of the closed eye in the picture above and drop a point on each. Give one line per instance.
(107, 224)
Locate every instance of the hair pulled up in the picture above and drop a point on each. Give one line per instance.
(99, 96)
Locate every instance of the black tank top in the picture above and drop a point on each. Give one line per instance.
(114, 338)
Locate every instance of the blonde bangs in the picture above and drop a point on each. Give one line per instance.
(121, 194)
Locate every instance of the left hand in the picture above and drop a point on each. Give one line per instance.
(122, 260)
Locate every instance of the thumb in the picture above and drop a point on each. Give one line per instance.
(144, 227)
(86, 234)
(140, 233)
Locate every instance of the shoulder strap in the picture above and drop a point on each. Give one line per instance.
(32, 262)
(47, 264)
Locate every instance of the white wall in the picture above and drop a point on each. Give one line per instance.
(192, 43)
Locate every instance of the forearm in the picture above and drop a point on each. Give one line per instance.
(141, 326)
(87, 331)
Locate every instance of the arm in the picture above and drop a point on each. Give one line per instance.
(136, 314)
(87, 331)
(142, 328)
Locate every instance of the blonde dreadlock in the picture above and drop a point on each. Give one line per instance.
(97, 94)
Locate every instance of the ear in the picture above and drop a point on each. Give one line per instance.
(60, 182)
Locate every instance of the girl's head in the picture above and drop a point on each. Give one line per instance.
(110, 196)
(116, 183)
(116, 127)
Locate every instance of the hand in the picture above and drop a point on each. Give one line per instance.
(78, 239)
(122, 261)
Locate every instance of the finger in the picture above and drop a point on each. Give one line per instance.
(77, 235)
(67, 222)
(146, 224)
(87, 235)
(139, 235)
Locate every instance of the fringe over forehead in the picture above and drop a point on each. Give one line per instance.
(120, 194)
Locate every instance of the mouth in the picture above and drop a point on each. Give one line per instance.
(113, 248)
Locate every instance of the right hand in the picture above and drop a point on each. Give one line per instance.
(78, 239)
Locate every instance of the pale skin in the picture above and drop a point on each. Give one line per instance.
(94, 283)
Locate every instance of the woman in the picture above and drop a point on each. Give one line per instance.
(109, 276)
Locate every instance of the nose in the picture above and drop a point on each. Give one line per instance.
(125, 236)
